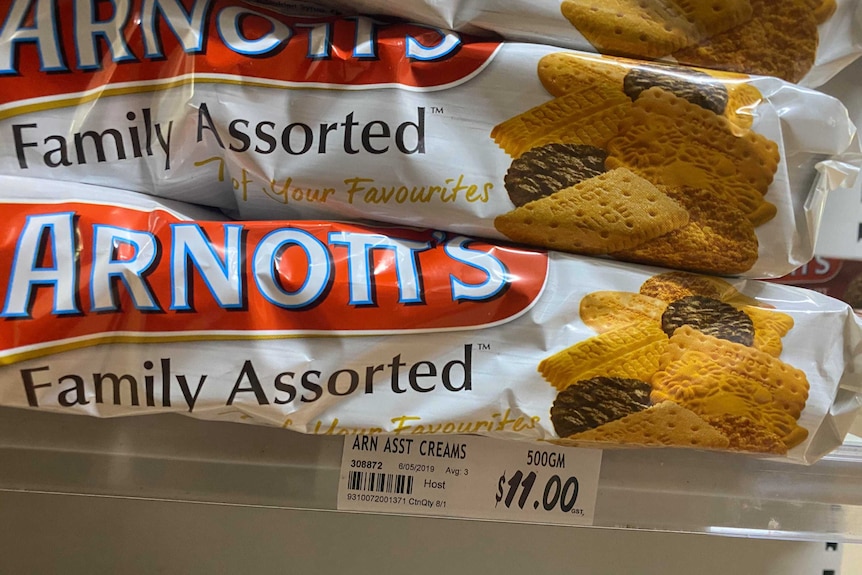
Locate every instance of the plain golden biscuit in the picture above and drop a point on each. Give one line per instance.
(614, 211)
(561, 72)
(607, 310)
(638, 28)
(589, 115)
(672, 142)
(780, 40)
(718, 238)
(664, 424)
(630, 352)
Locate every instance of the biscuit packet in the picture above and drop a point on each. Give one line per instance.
(131, 307)
(267, 116)
(801, 41)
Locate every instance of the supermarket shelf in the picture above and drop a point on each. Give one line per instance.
(172, 458)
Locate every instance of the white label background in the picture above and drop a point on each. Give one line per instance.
(468, 486)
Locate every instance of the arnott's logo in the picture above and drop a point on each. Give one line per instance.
(81, 274)
(154, 44)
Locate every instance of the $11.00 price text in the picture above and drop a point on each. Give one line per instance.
(559, 494)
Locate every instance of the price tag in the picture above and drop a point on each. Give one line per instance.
(469, 476)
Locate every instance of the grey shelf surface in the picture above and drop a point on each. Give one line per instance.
(174, 458)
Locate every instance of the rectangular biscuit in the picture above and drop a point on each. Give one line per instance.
(589, 115)
(561, 72)
(632, 352)
(607, 310)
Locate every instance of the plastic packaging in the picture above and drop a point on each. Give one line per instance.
(130, 307)
(271, 116)
(804, 41)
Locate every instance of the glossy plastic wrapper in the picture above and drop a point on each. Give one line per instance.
(138, 306)
(265, 115)
(804, 41)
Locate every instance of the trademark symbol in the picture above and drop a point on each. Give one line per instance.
(483, 346)
(436, 110)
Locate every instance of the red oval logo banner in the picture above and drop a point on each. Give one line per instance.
(78, 274)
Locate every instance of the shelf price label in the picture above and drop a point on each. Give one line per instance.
(470, 476)
(558, 495)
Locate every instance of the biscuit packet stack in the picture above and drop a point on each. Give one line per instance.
(131, 307)
(804, 41)
(268, 115)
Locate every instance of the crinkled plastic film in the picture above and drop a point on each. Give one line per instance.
(131, 307)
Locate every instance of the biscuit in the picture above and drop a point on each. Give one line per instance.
(742, 100)
(588, 115)
(694, 366)
(853, 292)
(670, 141)
(671, 286)
(652, 28)
(631, 351)
(823, 9)
(635, 28)
(614, 211)
(547, 169)
(769, 327)
(665, 424)
(714, 17)
(718, 238)
(709, 316)
(780, 40)
(710, 389)
(746, 435)
(593, 402)
(561, 72)
(699, 88)
(607, 310)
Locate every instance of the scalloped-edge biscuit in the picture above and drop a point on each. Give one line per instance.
(769, 327)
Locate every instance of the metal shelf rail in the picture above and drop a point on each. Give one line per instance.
(172, 458)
